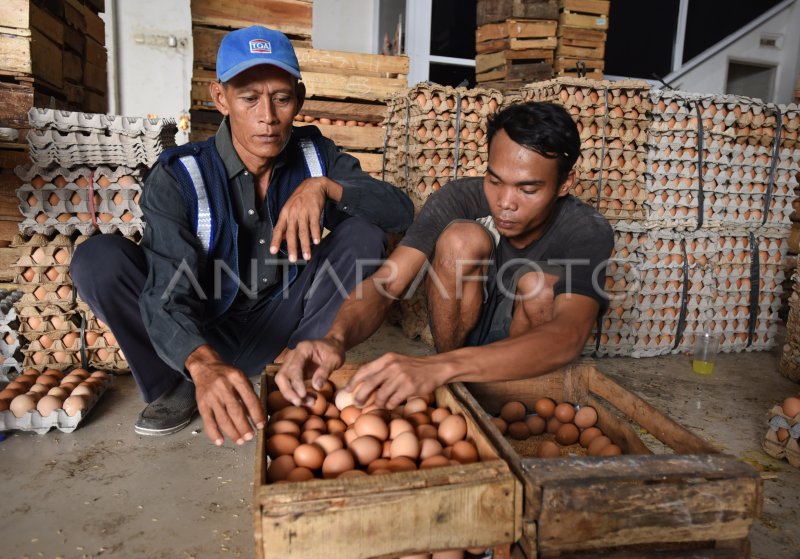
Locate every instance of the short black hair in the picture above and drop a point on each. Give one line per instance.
(543, 127)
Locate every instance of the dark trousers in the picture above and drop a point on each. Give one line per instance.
(109, 273)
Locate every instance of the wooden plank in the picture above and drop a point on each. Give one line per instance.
(486, 62)
(351, 87)
(289, 16)
(581, 52)
(15, 54)
(95, 27)
(591, 36)
(338, 62)
(600, 7)
(581, 20)
(9, 227)
(73, 15)
(515, 44)
(75, 40)
(490, 11)
(15, 13)
(95, 77)
(362, 112)
(95, 102)
(370, 162)
(8, 257)
(96, 53)
(570, 64)
(352, 137)
(17, 101)
(50, 26)
(73, 67)
(517, 29)
(74, 93)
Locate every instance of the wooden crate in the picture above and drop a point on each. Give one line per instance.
(678, 497)
(292, 17)
(531, 65)
(586, 14)
(491, 11)
(574, 42)
(515, 34)
(592, 69)
(465, 506)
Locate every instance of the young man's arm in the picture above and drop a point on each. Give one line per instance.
(394, 378)
(358, 318)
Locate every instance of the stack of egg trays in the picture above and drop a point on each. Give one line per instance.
(69, 139)
(10, 354)
(623, 281)
(57, 200)
(732, 268)
(436, 133)
(612, 118)
(738, 150)
(673, 263)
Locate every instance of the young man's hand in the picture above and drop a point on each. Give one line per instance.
(315, 359)
(300, 219)
(225, 398)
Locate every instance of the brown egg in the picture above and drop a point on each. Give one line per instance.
(552, 425)
(58, 392)
(398, 426)
(343, 399)
(519, 430)
(309, 436)
(337, 462)
(83, 373)
(300, 474)
(75, 404)
(791, 406)
(292, 413)
(567, 434)
(438, 415)
(513, 411)
(280, 467)
(549, 449)
(436, 461)
(448, 554)
(276, 402)
(378, 464)
(387, 449)
(336, 426)
(380, 472)
(84, 389)
(68, 386)
(544, 407)
(366, 449)
(419, 418)
(280, 444)
(501, 424)
(327, 390)
(415, 405)
(315, 423)
(611, 450)
(585, 417)
(283, 426)
(22, 404)
(782, 434)
(535, 424)
(452, 429)
(48, 404)
(402, 464)
(350, 414)
(349, 436)
(427, 432)
(406, 444)
(371, 425)
(320, 403)
(598, 444)
(9, 394)
(564, 412)
(332, 412)
(465, 452)
(588, 435)
(309, 456)
(329, 443)
(428, 448)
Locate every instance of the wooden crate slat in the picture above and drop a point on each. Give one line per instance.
(15, 14)
(515, 44)
(583, 20)
(362, 112)
(596, 53)
(332, 61)
(370, 162)
(599, 7)
(96, 53)
(562, 63)
(15, 54)
(73, 67)
(289, 16)
(351, 87)
(17, 101)
(95, 77)
(516, 29)
(75, 40)
(352, 137)
(49, 25)
(576, 34)
(490, 11)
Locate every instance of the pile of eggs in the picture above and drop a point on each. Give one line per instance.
(791, 409)
(53, 390)
(332, 438)
(560, 424)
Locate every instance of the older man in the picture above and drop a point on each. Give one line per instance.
(233, 267)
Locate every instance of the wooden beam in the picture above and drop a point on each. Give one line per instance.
(50, 26)
(15, 13)
(351, 87)
(292, 17)
(335, 110)
(15, 54)
(338, 62)
(17, 101)
(352, 137)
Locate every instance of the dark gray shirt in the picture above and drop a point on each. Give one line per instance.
(174, 323)
(576, 234)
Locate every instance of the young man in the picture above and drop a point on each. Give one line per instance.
(516, 267)
(216, 290)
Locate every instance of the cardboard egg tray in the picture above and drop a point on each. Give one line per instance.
(36, 422)
(787, 448)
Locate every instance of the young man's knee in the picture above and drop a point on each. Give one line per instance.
(535, 296)
(466, 240)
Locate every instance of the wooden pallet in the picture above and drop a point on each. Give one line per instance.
(676, 496)
(531, 65)
(491, 11)
(516, 34)
(292, 17)
(473, 505)
(585, 14)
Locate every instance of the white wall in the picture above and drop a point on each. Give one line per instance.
(711, 75)
(150, 59)
(348, 25)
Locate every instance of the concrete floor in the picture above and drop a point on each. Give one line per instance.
(105, 491)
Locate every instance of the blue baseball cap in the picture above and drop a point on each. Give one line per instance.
(251, 46)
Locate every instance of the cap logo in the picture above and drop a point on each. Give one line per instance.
(260, 46)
